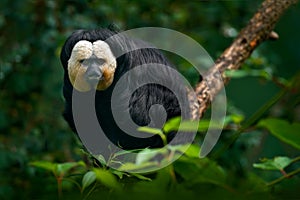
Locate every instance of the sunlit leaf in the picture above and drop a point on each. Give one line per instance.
(63, 168)
(172, 124)
(189, 126)
(141, 177)
(107, 178)
(49, 166)
(175, 124)
(193, 151)
(148, 154)
(235, 118)
(278, 163)
(132, 167)
(153, 131)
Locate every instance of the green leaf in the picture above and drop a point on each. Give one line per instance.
(193, 151)
(101, 159)
(193, 126)
(63, 168)
(107, 178)
(200, 171)
(176, 124)
(189, 126)
(153, 131)
(283, 130)
(141, 177)
(49, 166)
(148, 154)
(117, 172)
(131, 167)
(59, 169)
(278, 163)
(235, 118)
(88, 179)
(172, 124)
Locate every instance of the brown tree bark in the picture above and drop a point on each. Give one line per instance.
(259, 29)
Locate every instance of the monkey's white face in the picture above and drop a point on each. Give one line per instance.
(91, 65)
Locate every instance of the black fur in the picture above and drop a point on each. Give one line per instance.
(141, 100)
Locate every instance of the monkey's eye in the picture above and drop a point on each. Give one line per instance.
(101, 61)
(81, 61)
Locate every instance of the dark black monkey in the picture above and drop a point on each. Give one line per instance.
(90, 63)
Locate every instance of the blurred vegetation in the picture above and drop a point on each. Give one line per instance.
(33, 131)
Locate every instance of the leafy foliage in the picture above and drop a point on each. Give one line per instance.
(283, 130)
(41, 159)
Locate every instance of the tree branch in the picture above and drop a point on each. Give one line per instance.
(259, 29)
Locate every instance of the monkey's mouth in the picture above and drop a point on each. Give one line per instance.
(93, 81)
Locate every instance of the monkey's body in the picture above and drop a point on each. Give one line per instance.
(142, 98)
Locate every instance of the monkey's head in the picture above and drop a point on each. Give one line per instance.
(91, 65)
(88, 60)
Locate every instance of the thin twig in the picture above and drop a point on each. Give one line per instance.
(288, 175)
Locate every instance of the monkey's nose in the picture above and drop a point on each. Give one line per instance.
(93, 76)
